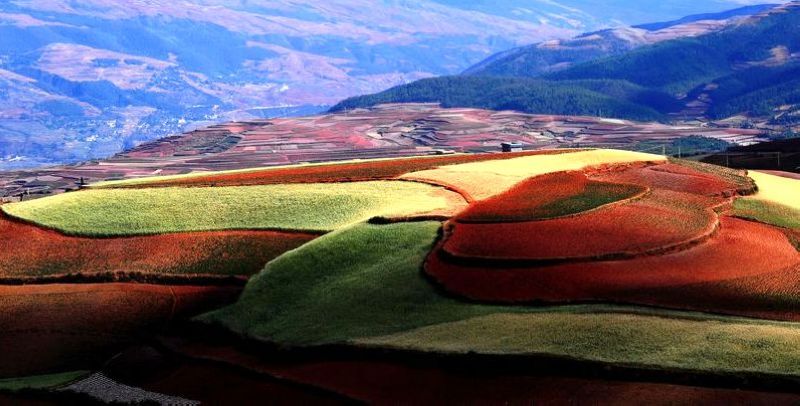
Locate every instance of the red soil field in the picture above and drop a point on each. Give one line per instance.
(676, 213)
(661, 220)
(342, 172)
(672, 177)
(741, 249)
(387, 382)
(539, 198)
(27, 251)
(47, 328)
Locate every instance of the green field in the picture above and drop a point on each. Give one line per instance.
(40, 381)
(767, 212)
(688, 341)
(362, 281)
(303, 207)
(364, 285)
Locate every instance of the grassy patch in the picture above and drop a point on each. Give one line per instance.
(595, 195)
(361, 281)
(767, 212)
(692, 343)
(303, 207)
(40, 381)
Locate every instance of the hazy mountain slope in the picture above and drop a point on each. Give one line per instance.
(748, 66)
(593, 97)
(535, 60)
(680, 65)
(98, 76)
(91, 78)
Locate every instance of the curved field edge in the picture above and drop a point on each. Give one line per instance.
(767, 212)
(29, 254)
(41, 382)
(482, 180)
(681, 340)
(340, 171)
(364, 286)
(361, 281)
(777, 190)
(550, 196)
(291, 207)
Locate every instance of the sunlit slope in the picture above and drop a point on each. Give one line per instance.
(481, 180)
(777, 201)
(301, 207)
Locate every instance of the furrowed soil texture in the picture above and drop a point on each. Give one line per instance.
(547, 196)
(667, 243)
(28, 252)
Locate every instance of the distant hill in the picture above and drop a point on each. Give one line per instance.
(748, 66)
(537, 59)
(611, 98)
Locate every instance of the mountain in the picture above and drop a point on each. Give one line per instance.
(550, 56)
(82, 80)
(578, 97)
(86, 79)
(748, 65)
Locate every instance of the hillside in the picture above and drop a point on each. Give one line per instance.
(592, 97)
(550, 56)
(746, 66)
(482, 272)
(383, 132)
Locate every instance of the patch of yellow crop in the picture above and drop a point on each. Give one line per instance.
(777, 189)
(690, 342)
(303, 207)
(481, 180)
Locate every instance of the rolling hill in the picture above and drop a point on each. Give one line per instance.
(748, 65)
(550, 56)
(509, 264)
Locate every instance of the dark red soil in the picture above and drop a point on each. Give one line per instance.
(27, 251)
(658, 221)
(740, 250)
(543, 197)
(394, 382)
(56, 327)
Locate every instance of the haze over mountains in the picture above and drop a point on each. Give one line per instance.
(82, 80)
(700, 69)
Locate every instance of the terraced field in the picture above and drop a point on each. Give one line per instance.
(603, 257)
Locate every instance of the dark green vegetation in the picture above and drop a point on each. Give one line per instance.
(40, 381)
(751, 65)
(358, 282)
(581, 97)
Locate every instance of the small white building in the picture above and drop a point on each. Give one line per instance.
(511, 146)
